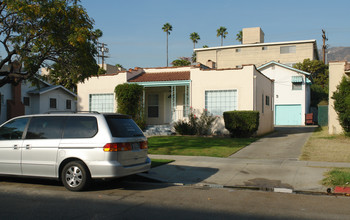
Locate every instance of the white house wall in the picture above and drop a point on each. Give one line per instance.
(98, 85)
(336, 73)
(264, 89)
(249, 83)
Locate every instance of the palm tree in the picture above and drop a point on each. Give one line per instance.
(194, 37)
(167, 28)
(221, 32)
(239, 37)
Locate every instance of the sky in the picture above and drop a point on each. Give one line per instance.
(132, 29)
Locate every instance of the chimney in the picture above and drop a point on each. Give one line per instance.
(253, 35)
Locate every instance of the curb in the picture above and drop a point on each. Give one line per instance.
(341, 190)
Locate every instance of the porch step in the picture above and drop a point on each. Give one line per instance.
(158, 130)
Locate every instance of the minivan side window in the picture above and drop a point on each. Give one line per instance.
(13, 130)
(80, 127)
(49, 127)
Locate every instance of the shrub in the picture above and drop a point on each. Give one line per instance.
(195, 125)
(129, 101)
(184, 128)
(241, 123)
(342, 104)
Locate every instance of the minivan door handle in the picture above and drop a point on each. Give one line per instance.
(28, 147)
(15, 147)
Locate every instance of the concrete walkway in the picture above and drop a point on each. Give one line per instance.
(271, 162)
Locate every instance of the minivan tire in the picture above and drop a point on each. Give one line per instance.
(75, 176)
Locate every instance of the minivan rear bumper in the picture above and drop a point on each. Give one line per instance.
(111, 169)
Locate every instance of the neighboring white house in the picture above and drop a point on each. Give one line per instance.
(292, 93)
(170, 92)
(28, 99)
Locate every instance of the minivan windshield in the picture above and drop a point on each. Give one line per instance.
(123, 127)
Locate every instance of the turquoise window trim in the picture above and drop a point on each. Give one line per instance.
(297, 79)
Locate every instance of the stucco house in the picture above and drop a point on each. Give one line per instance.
(337, 69)
(28, 99)
(292, 93)
(170, 92)
(254, 50)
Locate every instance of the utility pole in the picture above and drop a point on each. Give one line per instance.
(324, 47)
(103, 49)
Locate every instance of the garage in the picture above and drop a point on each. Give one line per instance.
(288, 115)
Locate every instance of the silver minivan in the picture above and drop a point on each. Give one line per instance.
(73, 147)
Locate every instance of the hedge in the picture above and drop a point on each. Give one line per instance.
(241, 123)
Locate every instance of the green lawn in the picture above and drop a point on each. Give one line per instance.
(196, 146)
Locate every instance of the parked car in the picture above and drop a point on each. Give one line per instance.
(73, 147)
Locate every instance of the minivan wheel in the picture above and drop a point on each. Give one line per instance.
(75, 176)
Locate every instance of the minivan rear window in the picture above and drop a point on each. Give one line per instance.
(123, 127)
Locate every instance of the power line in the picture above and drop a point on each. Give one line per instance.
(102, 47)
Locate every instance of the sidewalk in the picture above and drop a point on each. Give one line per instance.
(232, 172)
(252, 167)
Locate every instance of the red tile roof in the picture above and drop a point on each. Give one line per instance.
(163, 76)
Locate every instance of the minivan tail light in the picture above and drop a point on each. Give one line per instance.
(112, 147)
(144, 145)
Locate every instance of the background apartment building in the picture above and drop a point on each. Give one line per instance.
(253, 50)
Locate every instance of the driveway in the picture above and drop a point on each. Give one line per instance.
(283, 143)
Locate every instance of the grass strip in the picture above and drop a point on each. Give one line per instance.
(337, 177)
(197, 146)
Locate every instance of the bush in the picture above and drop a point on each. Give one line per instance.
(195, 125)
(241, 123)
(184, 128)
(129, 101)
(342, 104)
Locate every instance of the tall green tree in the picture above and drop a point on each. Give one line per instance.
(221, 32)
(194, 37)
(239, 37)
(342, 104)
(318, 70)
(55, 34)
(167, 28)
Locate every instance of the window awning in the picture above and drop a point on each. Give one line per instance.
(297, 79)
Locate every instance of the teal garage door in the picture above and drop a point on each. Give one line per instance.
(288, 115)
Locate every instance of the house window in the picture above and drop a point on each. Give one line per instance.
(53, 103)
(26, 101)
(219, 101)
(153, 105)
(267, 100)
(297, 86)
(68, 104)
(287, 49)
(101, 102)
